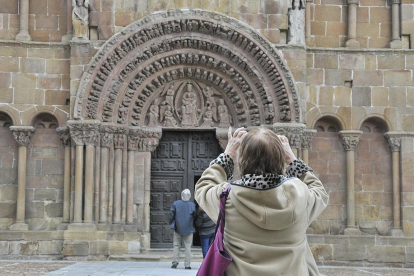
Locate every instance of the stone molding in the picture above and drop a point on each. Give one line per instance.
(350, 139)
(394, 140)
(64, 135)
(307, 136)
(84, 132)
(22, 134)
(293, 131)
(201, 24)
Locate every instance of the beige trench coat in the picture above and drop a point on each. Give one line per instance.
(265, 230)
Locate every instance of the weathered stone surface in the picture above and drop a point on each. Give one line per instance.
(99, 248)
(75, 248)
(54, 210)
(361, 96)
(349, 252)
(386, 254)
(44, 194)
(118, 247)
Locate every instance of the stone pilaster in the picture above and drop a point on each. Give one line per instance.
(394, 143)
(24, 35)
(64, 136)
(351, 41)
(350, 140)
(396, 36)
(293, 131)
(23, 136)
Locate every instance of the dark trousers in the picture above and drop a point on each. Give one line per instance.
(206, 240)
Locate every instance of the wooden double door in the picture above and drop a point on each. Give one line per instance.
(176, 164)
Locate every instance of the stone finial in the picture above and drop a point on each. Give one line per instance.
(64, 135)
(22, 134)
(394, 139)
(293, 131)
(307, 136)
(350, 138)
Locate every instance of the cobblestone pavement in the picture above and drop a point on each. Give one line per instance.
(112, 268)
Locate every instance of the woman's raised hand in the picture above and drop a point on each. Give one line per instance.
(235, 141)
(289, 155)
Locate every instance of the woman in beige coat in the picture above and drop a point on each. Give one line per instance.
(267, 213)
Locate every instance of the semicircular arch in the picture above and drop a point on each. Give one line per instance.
(233, 55)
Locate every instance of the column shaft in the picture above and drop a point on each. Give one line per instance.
(124, 183)
(21, 185)
(308, 19)
(72, 181)
(77, 217)
(305, 155)
(66, 186)
(396, 188)
(295, 151)
(130, 193)
(350, 189)
(89, 173)
(24, 35)
(117, 185)
(111, 184)
(97, 183)
(396, 36)
(103, 200)
(352, 24)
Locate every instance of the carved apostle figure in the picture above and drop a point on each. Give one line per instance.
(169, 120)
(189, 108)
(169, 98)
(80, 19)
(208, 118)
(210, 101)
(224, 117)
(153, 116)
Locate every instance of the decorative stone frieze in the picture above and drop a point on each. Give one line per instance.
(293, 131)
(306, 138)
(22, 134)
(64, 135)
(350, 139)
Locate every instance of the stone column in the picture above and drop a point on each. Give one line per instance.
(133, 140)
(22, 135)
(350, 140)
(91, 137)
(65, 139)
(97, 180)
(394, 142)
(309, 38)
(24, 35)
(77, 139)
(351, 41)
(69, 32)
(119, 143)
(106, 143)
(396, 37)
(307, 136)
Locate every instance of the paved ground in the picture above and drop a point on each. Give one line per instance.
(112, 268)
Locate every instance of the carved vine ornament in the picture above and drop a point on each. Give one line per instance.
(202, 70)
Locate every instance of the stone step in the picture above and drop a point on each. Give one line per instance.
(157, 255)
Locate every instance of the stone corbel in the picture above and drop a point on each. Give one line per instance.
(22, 134)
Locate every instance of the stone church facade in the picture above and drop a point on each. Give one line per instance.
(109, 108)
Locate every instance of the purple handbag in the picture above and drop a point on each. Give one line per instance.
(217, 259)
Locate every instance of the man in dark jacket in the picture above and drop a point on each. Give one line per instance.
(182, 216)
(206, 229)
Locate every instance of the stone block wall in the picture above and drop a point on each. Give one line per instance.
(8, 178)
(327, 159)
(407, 187)
(47, 20)
(35, 75)
(407, 22)
(354, 85)
(329, 23)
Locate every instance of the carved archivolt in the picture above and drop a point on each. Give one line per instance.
(187, 68)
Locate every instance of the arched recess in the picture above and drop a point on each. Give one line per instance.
(158, 70)
(327, 157)
(373, 188)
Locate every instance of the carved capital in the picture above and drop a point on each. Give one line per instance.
(349, 2)
(149, 138)
(64, 135)
(307, 136)
(293, 131)
(133, 139)
(107, 135)
(350, 138)
(396, 2)
(84, 132)
(22, 134)
(394, 140)
(119, 141)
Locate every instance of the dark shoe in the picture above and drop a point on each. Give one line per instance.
(174, 265)
(188, 267)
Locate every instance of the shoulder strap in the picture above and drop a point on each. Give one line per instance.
(221, 221)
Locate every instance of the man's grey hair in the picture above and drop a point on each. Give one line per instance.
(186, 195)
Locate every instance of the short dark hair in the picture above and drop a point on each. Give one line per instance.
(261, 152)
